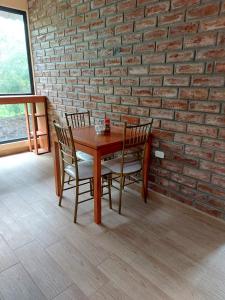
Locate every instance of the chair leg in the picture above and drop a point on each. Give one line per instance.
(121, 190)
(144, 194)
(76, 203)
(62, 188)
(109, 189)
(91, 186)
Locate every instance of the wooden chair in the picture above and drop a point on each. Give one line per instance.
(79, 119)
(131, 160)
(80, 171)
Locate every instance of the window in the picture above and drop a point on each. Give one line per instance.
(15, 62)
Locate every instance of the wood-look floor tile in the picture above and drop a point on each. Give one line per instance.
(16, 284)
(46, 274)
(72, 293)
(7, 256)
(77, 267)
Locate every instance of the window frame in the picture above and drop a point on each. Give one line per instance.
(27, 41)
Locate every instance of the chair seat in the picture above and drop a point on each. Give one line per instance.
(130, 165)
(85, 170)
(84, 156)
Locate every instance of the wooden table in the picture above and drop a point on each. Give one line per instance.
(86, 140)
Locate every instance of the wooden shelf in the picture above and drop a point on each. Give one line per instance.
(38, 137)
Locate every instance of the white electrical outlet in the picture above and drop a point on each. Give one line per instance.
(159, 154)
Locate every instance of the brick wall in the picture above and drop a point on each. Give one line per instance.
(143, 58)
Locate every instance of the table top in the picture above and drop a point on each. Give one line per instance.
(87, 136)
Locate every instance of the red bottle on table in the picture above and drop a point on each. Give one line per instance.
(107, 125)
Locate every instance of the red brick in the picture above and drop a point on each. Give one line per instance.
(115, 61)
(120, 108)
(132, 38)
(221, 39)
(112, 80)
(105, 89)
(164, 135)
(144, 47)
(126, 5)
(180, 56)
(210, 81)
(183, 3)
(207, 10)
(209, 210)
(102, 72)
(97, 3)
(104, 106)
(155, 34)
(222, 133)
(112, 20)
(173, 126)
(213, 24)
(171, 166)
(204, 107)
(112, 42)
(171, 147)
(150, 102)
(166, 92)
(130, 81)
(213, 167)
(97, 98)
(199, 152)
(141, 91)
(220, 158)
(213, 144)
(189, 68)
(183, 29)
(119, 71)
(161, 113)
(200, 40)
(189, 117)
(139, 70)
(153, 58)
(206, 188)
(175, 80)
(108, 10)
(139, 111)
(130, 119)
(160, 69)
(196, 173)
(187, 139)
(174, 104)
(202, 130)
(122, 90)
(145, 23)
(171, 18)
(218, 180)
(112, 99)
(220, 67)
(185, 159)
(126, 100)
(218, 120)
(169, 45)
(157, 8)
(211, 54)
(124, 28)
(135, 14)
(217, 94)
(132, 60)
(194, 93)
(152, 81)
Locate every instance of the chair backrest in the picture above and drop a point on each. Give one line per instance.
(134, 142)
(67, 147)
(78, 119)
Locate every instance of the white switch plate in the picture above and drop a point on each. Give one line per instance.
(159, 154)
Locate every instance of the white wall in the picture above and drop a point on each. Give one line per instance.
(17, 4)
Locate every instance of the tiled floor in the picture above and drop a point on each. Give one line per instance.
(161, 250)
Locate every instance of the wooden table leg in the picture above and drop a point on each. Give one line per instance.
(57, 169)
(146, 169)
(97, 188)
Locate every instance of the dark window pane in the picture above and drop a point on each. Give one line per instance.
(14, 66)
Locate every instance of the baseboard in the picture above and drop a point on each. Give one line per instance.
(14, 148)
